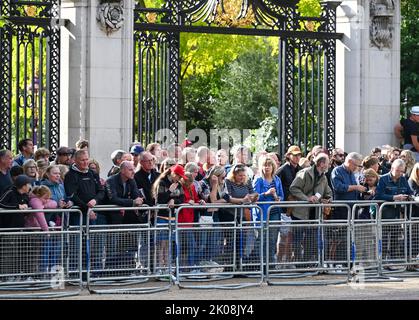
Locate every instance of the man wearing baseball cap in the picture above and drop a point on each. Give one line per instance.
(135, 151)
(407, 132)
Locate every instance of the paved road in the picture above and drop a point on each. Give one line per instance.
(408, 289)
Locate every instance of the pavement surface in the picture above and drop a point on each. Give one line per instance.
(396, 289)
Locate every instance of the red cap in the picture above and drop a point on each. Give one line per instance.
(179, 170)
(186, 143)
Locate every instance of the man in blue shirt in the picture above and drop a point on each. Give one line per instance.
(393, 186)
(345, 187)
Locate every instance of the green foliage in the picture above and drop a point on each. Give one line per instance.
(409, 53)
(3, 21)
(203, 53)
(309, 8)
(199, 93)
(249, 89)
(152, 3)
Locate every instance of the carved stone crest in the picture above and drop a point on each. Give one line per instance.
(110, 15)
(381, 15)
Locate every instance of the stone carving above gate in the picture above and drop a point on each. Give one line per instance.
(110, 14)
(381, 29)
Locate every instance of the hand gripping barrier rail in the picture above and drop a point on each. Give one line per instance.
(130, 258)
(308, 248)
(37, 264)
(399, 238)
(228, 251)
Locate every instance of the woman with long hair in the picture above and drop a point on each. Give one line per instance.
(269, 187)
(409, 159)
(167, 190)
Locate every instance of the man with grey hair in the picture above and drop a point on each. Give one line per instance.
(310, 184)
(344, 184)
(146, 176)
(117, 157)
(345, 187)
(392, 186)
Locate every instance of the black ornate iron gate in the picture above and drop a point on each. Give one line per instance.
(30, 73)
(306, 71)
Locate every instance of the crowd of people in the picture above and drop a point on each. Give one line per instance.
(182, 174)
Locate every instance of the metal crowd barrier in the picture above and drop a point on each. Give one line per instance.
(399, 238)
(41, 264)
(365, 244)
(129, 258)
(209, 250)
(151, 257)
(316, 248)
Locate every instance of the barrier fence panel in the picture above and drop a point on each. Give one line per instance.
(393, 234)
(221, 247)
(316, 248)
(399, 234)
(365, 242)
(413, 257)
(129, 258)
(35, 264)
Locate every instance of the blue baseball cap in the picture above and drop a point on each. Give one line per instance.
(137, 149)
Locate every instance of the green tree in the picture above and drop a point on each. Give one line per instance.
(409, 78)
(249, 89)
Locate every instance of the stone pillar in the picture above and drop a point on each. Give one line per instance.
(368, 74)
(99, 79)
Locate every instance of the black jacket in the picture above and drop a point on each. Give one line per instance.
(165, 195)
(116, 195)
(11, 200)
(81, 187)
(141, 178)
(287, 175)
(115, 191)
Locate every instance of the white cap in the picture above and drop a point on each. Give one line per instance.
(415, 110)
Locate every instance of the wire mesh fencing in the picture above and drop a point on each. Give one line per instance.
(223, 245)
(130, 258)
(36, 264)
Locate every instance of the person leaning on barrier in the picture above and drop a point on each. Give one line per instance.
(167, 189)
(16, 197)
(146, 176)
(83, 186)
(370, 182)
(52, 179)
(311, 185)
(122, 191)
(393, 186)
(344, 183)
